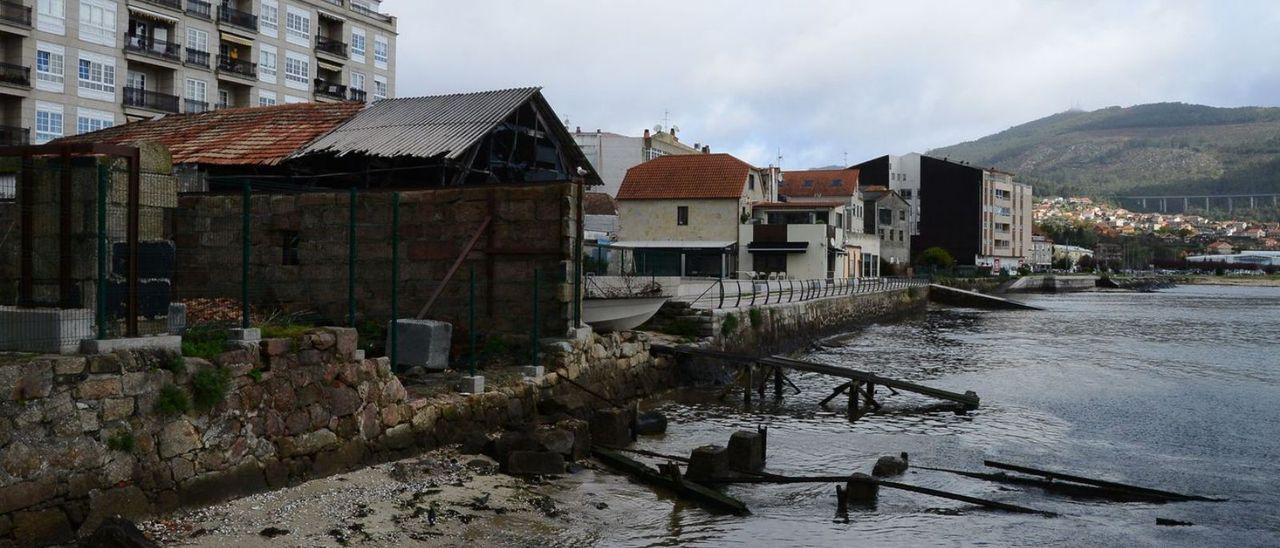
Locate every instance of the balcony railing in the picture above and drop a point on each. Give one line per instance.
(197, 8)
(197, 57)
(154, 100)
(237, 66)
(14, 136)
(331, 89)
(173, 4)
(16, 75)
(235, 17)
(192, 106)
(15, 13)
(359, 95)
(335, 2)
(147, 45)
(331, 46)
(369, 13)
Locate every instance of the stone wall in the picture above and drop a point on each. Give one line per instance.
(296, 409)
(532, 227)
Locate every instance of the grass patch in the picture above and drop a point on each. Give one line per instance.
(682, 327)
(255, 374)
(205, 343)
(121, 441)
(209, 386)
(175, 364)
(729, 324)
(285, 331)
(757, 318)
(172, 401)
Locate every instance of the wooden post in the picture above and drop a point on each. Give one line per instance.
(842, 503)
(777, 382)
(748, 381)
(854, 387)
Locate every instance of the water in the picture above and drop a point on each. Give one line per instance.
(1175, 390)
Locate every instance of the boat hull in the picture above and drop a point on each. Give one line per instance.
(604, 315)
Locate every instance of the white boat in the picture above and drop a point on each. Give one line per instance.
(604, 315)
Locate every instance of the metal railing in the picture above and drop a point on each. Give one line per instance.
(192, 106)
(330, 89)
(154, 100)
(237, 66)
(172, 4)
(358, 95)
(197, 8)
(17, 75)
(15, 13)
(335, 2)
(148, 45)
(14, 136)
(737, 293)
(331, 46)
(197, 57)
(235, 17)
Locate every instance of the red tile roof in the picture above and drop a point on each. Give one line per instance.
(819, 182)
(238, 136)
(689, 176)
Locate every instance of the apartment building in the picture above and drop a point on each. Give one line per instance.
(1006, 221)
(612, 154)
(74, 66)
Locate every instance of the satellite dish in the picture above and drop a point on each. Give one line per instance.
(657, 128)
(675, 129)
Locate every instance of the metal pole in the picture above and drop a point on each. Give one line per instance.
(246, 208)
(351, 261)
(537, 280)
(471, 324)
(101, 305)
(395, 278)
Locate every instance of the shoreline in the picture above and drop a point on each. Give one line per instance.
(1257, 281)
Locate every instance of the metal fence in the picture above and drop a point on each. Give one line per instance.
(737, 293)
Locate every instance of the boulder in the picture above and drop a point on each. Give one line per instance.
(890, 466)
(651, 423)
(611, 427)
(535, 463)
(861, 489)
(556, 441)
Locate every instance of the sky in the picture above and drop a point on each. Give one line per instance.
(838, 82)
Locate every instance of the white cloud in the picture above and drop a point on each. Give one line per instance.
(817, 79)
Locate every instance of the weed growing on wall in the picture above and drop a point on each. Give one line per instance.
(121, 441)
(729, 324)
(172, 401)
(209, 386)
(757, 318)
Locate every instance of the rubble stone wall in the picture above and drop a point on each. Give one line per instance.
(787, 327)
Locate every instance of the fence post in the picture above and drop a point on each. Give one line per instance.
(537, 279)
(351, 262)
(471, 323)
(395, 279)
(246, 209)
(101, 306)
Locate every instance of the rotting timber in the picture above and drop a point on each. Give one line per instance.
(755, 371)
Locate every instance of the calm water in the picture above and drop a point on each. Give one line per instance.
(1178, 390)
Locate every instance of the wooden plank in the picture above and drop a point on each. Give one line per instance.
(686, 489)
(466, 250)
(1101, 483)
(883, 483)
(839, 390)
(1056, 487)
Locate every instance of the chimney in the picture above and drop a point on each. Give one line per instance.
(646, 133)
(706, 149)
(578, 129)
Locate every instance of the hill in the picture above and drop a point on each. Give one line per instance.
(1162, 148)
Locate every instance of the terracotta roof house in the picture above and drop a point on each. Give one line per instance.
(819, 183)
(680, 214)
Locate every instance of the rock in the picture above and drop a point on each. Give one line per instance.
(746, 451)
(611, 427)
(482, 465)
(273, 532)
(556, 441)
(35, 381)
(128, 502)
(276, 347)
(69, 365)
(510, 442)
(344, 401)
(42, 528)
(399, 437)
(708, 461)
(475, 443)
(96, 388)
(651, 423)
(178, 437)
(861, 489)
(309, 443)
(116, 409)
(28, 493)
(535, 463)
(890, 466)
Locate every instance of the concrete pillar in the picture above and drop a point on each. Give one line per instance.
(708, 461)
(746, 451)
(861, 489)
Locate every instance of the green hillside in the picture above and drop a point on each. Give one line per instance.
(1163, 148)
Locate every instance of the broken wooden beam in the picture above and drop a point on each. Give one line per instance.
(684, 488)
(1073, 490)
(1100, 483)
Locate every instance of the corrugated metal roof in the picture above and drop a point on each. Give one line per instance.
(425, 127)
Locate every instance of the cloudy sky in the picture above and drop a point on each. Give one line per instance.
(819, 80)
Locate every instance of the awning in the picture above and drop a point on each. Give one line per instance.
(236, 39)
(671, 244)
(153, 15)
(777, 247)
(328, 66)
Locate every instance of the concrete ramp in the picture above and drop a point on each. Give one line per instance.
(972, 299)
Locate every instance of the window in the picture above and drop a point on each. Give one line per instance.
(197, 40)
(266, 98)
(97, 76)
(906, 193)
(197, 90)
(50, 67)
(357, 44)
(98, 22)
(381, 49)
(902, 214)
(48, 122)
(224, 98)
(808, 183)
(357, 81)
(88, 120)
(297, 26)
(297, 70)
(682, 215)
(51, 16)
(289, 247)
(379, 88)
(291, 99)
(837, 183)
(269, 18)
(751, 181)
(267, 64)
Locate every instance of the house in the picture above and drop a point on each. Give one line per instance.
(1041, 253)
(612, 154)
(801, 240)
(888, 219)
(1073, 253)
(861, 248)
(1220, 248)
(679, 215)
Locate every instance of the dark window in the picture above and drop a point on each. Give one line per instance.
(751, 181)
(902, 214)
(769, 262)
(837, 182)
(808, 183)
(682, 215)
(289, 248)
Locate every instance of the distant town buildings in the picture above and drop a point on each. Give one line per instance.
(1184, 228)
(612, 154)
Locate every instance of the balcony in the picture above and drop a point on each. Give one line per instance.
(197, 8)
(330, 46)
(14, 136)
(335, 2)
(370, 13)
(359, 95)
(151, 100)
(171, 4)
(152, 47)
(330, 90)
(15, 75)
(237, 18)
(14, 13)
(197, 58)
(192, 106)
(236, 67)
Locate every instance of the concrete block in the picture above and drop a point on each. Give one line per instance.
(746, 451)
(44, 330)
(531, 371)
(471, 385)
(535, 462)
(244, 334)
(421, 343)
(177, 318)
(708, 461)
(358, 354)
(611, 427)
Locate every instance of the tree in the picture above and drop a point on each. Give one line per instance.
(1087, 263)
(1063, 263)
(935, 257)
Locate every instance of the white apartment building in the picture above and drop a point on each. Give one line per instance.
(613, 154)
(1006, 221)
(73, 66)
